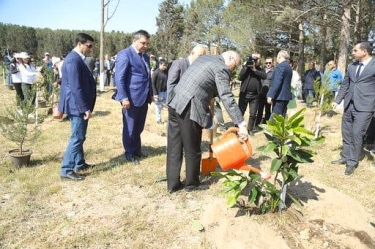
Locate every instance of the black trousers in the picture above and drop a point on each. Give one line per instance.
(245, 100)
(263, 106)
(354, 126)
(19, 93)
(184, 135)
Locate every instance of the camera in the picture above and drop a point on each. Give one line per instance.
(251, 60)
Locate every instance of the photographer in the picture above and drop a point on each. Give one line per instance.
(251, 76)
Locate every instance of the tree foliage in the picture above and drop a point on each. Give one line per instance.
(311, 30)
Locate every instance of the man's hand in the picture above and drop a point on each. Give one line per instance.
(87, 115)
(243, 133)
(125, 104)
(269, 100)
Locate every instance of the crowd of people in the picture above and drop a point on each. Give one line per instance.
(186, 87)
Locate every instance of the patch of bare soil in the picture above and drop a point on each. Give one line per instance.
(328, 219)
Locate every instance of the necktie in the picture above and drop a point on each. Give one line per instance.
(358, 70)
(143, 61)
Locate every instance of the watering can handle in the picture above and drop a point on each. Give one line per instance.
(247, 142)
(230, 130)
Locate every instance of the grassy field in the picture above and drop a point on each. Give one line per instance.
(120, 205)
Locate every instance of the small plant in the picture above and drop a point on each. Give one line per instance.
(288, 140)
(18, 127)
(45, 84)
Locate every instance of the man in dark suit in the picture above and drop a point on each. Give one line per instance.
(209, 76)
(179, 66)
(77, 100)
(133, 82)
(279, 92)
(358, 93)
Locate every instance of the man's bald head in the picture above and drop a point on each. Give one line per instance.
(232, 59)
(197, 51)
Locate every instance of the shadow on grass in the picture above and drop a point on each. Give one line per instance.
(120, 159)
(101, 113)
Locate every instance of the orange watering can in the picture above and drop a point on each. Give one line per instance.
(232, 152)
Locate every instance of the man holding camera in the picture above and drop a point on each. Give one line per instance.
(251, 76)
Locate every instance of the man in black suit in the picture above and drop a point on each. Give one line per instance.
(188, 106)
(358, 93)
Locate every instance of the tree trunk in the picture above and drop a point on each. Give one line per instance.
(323, 49)
(357, 32)
(344, 39)
(101, 59)
(301, 48)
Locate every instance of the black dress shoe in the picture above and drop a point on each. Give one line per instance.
(349, 170)
(175, 189)
(140, 155)
(72, 176)
(340, 161)
(84, 167)
(132, 159)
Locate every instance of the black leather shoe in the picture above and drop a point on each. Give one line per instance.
(84, 167)
(140, 155)
(340, 161)
(72, 176)
(132, 159)
(179, 187)
(349, 170)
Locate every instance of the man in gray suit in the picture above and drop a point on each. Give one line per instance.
(358, 92)
(179, 67)
(209, 76)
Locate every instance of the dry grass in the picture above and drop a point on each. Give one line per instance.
(119, 205)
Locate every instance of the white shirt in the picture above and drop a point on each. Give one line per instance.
(28, 73)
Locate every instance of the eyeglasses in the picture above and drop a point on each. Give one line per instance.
(89, 45)
(268, 63)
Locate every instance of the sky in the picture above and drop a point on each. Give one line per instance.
(130, 16)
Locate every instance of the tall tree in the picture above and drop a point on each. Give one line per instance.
(170, 22)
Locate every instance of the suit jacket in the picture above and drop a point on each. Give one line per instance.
(78, 87)
(280, 88)
(362, 90)
(90, 62)
(205, 79)
(132, 77)
(175, 72)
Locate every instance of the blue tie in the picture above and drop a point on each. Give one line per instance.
(358, 70)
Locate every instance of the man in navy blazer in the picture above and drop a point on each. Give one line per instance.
(133, 82)
(77, 100)
(280, 93)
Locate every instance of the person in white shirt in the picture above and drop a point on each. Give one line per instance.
(28, 76)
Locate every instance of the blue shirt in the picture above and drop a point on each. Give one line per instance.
(335, 78)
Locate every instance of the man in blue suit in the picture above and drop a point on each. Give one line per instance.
(77, 100)
(134, 92)
(280, 93)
